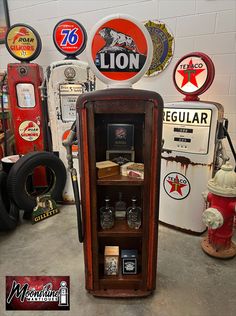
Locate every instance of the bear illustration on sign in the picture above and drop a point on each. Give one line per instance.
(117, 39)
(120, 52)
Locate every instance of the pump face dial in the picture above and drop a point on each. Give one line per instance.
(70, 73)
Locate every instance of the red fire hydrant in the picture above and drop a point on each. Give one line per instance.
(219, 217)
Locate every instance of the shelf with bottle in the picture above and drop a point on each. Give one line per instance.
(120, 228)
(120, 218)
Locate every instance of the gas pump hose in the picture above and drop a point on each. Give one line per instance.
(230, 145)
(67, 143)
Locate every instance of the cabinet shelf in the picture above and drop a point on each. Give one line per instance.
(121, 277)
(120, 229)
(118, 280)
(120, 180)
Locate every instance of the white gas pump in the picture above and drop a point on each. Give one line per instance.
(65, 81)
(192, 145)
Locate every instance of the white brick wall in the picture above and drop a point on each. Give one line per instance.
(197, 25)
(214, 5)
(226, 21)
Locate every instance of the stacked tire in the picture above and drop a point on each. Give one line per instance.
(14, 193)
(9, 212)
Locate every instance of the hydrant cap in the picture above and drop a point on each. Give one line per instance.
(224, 182)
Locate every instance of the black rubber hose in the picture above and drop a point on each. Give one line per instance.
(77, 203)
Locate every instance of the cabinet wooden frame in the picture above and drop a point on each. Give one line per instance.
(144, 110)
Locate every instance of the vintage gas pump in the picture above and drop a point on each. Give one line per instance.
(24, 79)
(117, 125)
(192, 132)
(65, 81)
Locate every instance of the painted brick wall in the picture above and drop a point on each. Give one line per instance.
(198, 25)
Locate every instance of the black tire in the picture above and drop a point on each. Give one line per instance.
(24, 167)
(9, 212)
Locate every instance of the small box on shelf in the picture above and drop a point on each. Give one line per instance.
(123, 168)
(136, 170)
(111, 260)
(129, 259)
(107, 168)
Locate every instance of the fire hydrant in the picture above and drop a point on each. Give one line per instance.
(219, 217)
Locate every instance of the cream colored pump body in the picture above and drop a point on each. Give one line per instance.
(188, 161)
(66, 80)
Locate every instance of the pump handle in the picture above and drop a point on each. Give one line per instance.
(68, 142)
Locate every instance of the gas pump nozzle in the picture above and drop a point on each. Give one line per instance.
(221, 156)
(43, 90)
(67, 143)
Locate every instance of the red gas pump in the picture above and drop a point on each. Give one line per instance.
(24, 80)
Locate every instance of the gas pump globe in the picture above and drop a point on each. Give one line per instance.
(219, 217)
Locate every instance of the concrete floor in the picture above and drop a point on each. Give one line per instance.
(189, 283)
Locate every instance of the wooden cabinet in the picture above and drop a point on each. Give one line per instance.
(96, 110)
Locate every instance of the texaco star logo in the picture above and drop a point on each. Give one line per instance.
(190, 74)
(176, 185)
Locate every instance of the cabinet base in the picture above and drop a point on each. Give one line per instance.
(118, 293)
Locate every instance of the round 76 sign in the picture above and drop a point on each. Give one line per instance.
(69, 37)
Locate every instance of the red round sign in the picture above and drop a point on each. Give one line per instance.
(70, 37)
(193, 75)
(120, 49)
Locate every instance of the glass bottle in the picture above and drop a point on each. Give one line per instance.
(120, 208)
(134, 215)
(107, 219)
